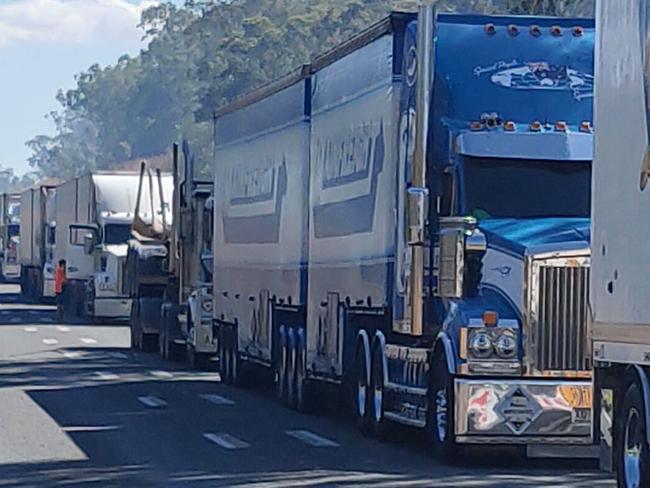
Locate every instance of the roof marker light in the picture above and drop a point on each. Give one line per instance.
(476, 126)
(578, 31)
(585, 126)
(513, 30)
(536, 126)
(490, 29)
(490, 318)
(556, 30)
(561, 126)
(510, 126)
(535, 31)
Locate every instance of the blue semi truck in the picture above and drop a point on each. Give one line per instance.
(407, 218)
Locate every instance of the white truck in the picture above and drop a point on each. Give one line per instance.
(9, 236)
(37, 237)
(620, 236)
(93, 216)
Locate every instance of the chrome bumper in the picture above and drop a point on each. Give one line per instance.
(490, 411)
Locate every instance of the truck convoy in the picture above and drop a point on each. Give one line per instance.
(37, 240)
(9, 236)
(169, 266)
(620, 307)
(408, 217)
(93, 224)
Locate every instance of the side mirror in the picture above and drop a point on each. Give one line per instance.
(89, 243)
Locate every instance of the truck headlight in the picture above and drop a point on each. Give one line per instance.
(505, 346)
(480, 344)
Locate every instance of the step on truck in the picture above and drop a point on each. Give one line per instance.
(619, 303)
(93, 224)
(407, 219)
(10, 269)
(169, 264)
(37, 238)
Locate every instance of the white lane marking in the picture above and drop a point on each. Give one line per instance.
(63, 328)
(152, 401)
(31, 329)
(311, 438)
(88, 340)
(161, 374)
(50, 341)
(91, 428)
(117, 355)
(217, 399)
(226, 441)
(46, 319)
(14, 320)
(100, 375)
(71, 354)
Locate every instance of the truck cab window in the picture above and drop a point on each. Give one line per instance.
(516, 188)
(117, 233)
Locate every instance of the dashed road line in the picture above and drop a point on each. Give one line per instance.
(31, 329)
(91, 428)
(152, 401)
(117, 355)
(312, 439)
(88, 340)
(161, 374)
(62, 328)
(103, 376)
(226, 441)
(217, 399)
(50, 341)
(71, 354)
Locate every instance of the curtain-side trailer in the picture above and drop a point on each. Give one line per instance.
(37, 232)
(619, 300)
(408, 219)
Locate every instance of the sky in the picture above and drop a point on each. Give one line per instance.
(43, 44)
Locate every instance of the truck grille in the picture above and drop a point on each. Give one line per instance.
(559, 317)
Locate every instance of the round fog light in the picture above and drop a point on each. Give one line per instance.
(480, 345)
(506, 346)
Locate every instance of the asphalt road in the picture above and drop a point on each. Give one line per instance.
(78, 408)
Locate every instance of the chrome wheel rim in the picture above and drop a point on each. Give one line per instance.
(441, 414)
(378, 398)
(632, 446)
(362, 394)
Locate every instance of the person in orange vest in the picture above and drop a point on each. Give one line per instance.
(59, 283)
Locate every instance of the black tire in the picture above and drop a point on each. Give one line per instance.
(224, 363)
(195, 359)
(378, 424)
(236, 377)
(136, 331)
(632, 450)
(440, 410)
(360, 392)
(282, 370)
(302, 390)
(163, 345)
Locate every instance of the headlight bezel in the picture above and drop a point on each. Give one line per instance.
(494, 335)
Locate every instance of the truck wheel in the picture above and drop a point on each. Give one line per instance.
(440, 410)
(291, 369)
(136, 337)
(163, 345)
(302, 395)
(378, 423)
(224, 363)
(281, 368)
(633, 455)
(195, 359)
(360, 392)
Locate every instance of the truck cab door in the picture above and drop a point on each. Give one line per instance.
(80, 264)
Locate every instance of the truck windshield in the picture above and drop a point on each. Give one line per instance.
(13, 230)
(117, 233)
(498, 188)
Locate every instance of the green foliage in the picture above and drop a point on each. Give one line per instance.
(204, 55)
